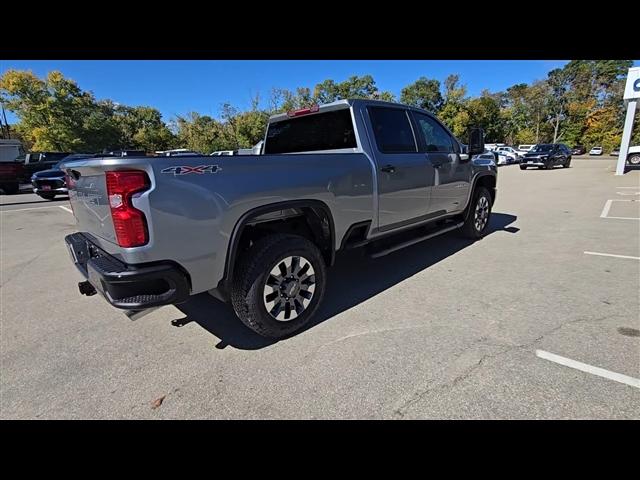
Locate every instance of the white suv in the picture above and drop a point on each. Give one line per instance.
(510, 153)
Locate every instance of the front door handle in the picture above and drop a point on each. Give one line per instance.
(388, 169)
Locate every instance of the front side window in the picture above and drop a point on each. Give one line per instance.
(436, 138)
(392, 130)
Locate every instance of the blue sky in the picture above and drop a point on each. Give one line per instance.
(180, 86)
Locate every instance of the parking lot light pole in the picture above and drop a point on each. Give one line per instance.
(631, 96)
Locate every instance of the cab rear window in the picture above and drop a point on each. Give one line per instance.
(310, 133)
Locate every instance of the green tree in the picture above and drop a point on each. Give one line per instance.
(200, 133)
(484, 112)
(142, 128)
(423, 93)
(454, 113)
(354, 87)
(54, 113)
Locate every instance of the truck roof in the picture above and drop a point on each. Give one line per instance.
(338, 104)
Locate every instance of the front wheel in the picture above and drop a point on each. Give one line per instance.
(634, 159)
(478, 214)
(279, 285)
(522, 167)
(47, 196)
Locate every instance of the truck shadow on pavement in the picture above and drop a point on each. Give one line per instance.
(352, 280)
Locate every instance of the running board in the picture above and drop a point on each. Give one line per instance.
(413, 241)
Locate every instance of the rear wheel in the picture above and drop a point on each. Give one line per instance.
(634, 159)
(478, 215)
(279, 285)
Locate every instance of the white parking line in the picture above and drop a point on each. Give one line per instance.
(583, 367)
(66, 209)
(637, 188)
(612, 255)
(23, 209)
(605, 210)
(607, 207)
(625, 193)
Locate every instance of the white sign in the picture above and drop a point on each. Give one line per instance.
(632, 90)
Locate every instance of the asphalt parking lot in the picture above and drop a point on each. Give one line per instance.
(540, 319)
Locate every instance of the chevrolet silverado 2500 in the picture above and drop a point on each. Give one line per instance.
(259, 231)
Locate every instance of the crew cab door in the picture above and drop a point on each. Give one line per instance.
(452, 174)
(404, 174)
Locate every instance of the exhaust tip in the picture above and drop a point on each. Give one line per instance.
(137, 314)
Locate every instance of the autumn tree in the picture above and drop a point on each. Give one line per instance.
(423, 93)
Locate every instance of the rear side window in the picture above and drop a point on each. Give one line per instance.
(392, 130)
(323, 131)
(436, 138)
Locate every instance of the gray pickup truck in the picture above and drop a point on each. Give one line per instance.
(259, 231)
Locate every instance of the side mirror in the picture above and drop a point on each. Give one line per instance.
(476, 141)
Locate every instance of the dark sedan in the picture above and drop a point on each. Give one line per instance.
(49, 183)
(547, 156)
(578, 150)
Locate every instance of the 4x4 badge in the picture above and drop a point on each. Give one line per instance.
(186, 170)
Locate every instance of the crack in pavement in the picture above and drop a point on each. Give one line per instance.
(507, 348)
(27, 264)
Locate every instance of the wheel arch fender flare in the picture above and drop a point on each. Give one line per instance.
(234, 241)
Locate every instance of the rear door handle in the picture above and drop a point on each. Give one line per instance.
(388, 169)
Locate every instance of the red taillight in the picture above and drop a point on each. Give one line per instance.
(129, 222)
(303, 111)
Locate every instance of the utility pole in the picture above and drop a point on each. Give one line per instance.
(631, 96)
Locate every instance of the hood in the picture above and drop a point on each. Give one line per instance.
(49, 173)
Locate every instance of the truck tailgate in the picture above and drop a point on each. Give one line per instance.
(90, 202)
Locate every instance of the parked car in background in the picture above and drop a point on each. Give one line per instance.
(497, 158)
(633, 156)
(124, 153)
(177, 152)
(11, 175)
(578, 150)
(615, 152)
(49, 183)
(12, 172)
(38, 161)
(595, 151)
(511, 153)
(524, 148)
(10, 150)
(547, 156)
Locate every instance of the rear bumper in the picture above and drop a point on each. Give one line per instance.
(62, 190)
(130, 287)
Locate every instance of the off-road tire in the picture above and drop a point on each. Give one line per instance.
(469, 229)
(247, 286)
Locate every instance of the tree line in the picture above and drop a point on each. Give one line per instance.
(580, 103)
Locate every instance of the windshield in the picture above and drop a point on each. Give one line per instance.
(542, 148)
